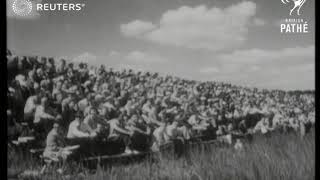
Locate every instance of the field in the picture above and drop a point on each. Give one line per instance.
(281, 156)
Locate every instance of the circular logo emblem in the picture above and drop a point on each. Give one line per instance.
(22, 7)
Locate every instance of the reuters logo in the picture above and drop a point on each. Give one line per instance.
(22, 7)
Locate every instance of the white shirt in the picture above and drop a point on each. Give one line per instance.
(74, 132)
(30, 105)
(192, 120)
(160, 135)
(113, 124)
(41, 114)
(171, 132)
(261, 127)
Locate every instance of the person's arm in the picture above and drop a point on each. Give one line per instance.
(133, 128)
(172, 109)
(257, 127)
(155, 121)
(45, 115)
(121, 130)
(76, 132)
(203, 117)
(198, 127)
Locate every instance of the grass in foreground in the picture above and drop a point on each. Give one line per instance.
(281, 156)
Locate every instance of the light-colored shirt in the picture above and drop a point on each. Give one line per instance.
(260, 127)
(30, 105)
(74, 132)
(91, 124)
(192, 120)
(160, 135)
(41, 114)
(113, 124)
(52, 141)
(171, 132)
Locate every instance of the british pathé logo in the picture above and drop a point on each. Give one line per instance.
(294, 25)
(297, 4)
(22, 7)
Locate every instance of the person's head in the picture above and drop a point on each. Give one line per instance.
(9, 112)
(59, 85)
(174, 123)
(78, 116)
(71, 104)
(36, 98)
(89, 97)
(39, 72)
(62, 62)
(43, 60)
(116, 102)
(93, 111)
(70, 66)
(56, 127)
(103, 111)
(134, 118)
(51, 60)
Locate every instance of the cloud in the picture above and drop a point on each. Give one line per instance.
(209, 70)
(257, 56)
(136, 28)
(86, 58)
(142, 57)
(114, 53)
(34, 14)
(130, 66)
(288, 68)
(198, 27)
(259, 22)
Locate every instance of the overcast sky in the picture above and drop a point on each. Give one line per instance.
(220, 40)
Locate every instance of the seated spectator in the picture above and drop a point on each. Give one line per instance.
(74, 128)
(30, 108)
(55, 144)
(56, 150)
(43, 120)
(90, 123)
(118, 131)
(140, 140)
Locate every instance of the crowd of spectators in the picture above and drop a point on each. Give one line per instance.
(59, 98)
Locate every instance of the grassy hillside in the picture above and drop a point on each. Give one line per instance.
(281, 156)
